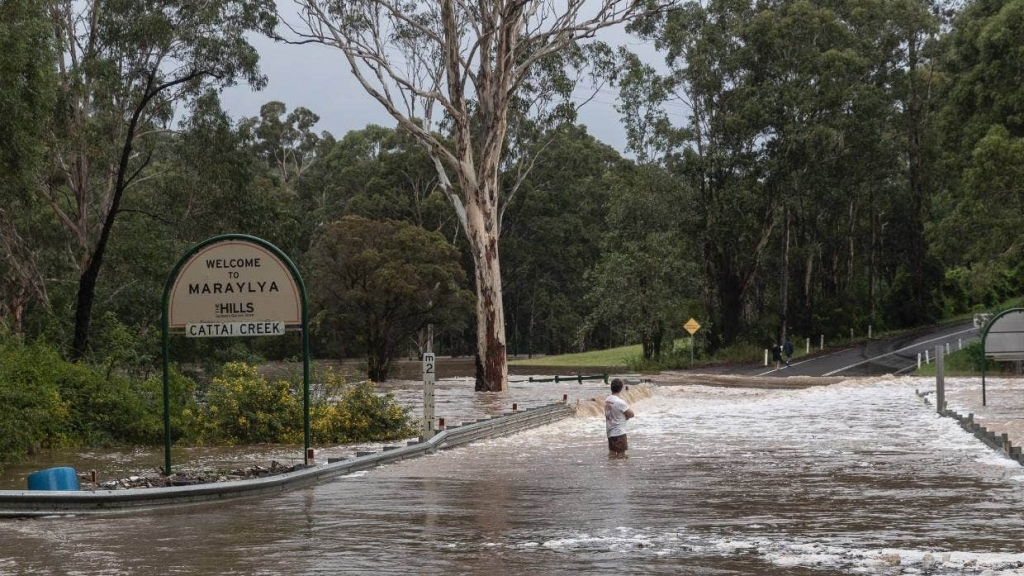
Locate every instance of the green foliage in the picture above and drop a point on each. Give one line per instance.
(378, 283)
(27, 91)
(182, 392)
(641, 283)
(347, 412)
(981, 207)
(561, 202)
(975, 359)
(377, 173)
(106, 408)
(243, 407)
(287, 143)
(46, 402)
(805, 137)
(119, 348)
(966, 362)
(33, 415)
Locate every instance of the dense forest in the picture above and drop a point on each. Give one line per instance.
(794, 167)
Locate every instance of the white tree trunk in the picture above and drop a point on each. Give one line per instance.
(482, 231)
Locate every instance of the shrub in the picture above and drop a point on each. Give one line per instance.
(244, 407)
(105, 409)
(184, 408)
(119, 348)
(346, 412)
(32, 414)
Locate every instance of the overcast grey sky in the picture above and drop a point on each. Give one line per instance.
(318, 78)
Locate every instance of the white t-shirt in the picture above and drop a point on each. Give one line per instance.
(615, 415)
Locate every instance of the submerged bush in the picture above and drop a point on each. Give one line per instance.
(347, 412)
(242, 406)
(47, 402)
(32, 413)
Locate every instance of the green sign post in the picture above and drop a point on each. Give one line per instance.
(234, 285)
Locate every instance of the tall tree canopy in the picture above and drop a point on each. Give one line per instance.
(427, 61)
(978, 237)
(376, 283)
(27, 92)
(123, 67)
(806, 134)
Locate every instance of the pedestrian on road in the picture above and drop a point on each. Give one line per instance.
(788, 349)
(777, 355)
(616, 413)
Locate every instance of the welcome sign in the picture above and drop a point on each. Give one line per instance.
(234, 285)
(234, 288)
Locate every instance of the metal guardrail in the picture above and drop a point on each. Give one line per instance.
(998, 441)
(570, 378)
(21, 503)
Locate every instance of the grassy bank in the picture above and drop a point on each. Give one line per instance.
(631, 358)
(610, 358)
(967, 363)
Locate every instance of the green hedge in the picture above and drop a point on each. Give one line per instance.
(33, 414)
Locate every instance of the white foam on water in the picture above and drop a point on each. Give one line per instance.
(640, 543)
(877, 427)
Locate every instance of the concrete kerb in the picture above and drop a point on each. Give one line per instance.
(24, 503)
(999, 442)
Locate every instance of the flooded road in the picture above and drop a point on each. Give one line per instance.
(854, 478)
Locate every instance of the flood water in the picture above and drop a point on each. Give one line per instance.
(854, 478)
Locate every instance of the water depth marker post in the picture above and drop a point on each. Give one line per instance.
(234, 285)
(429, 373)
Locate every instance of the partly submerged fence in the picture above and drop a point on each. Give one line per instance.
(16, 503)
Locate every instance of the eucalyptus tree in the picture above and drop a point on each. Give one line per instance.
(981, 203)
(27, 91)
(644, 281)
(284, 140)
(377, 173)
(917, 88)
(807, 135)
(824, 75)
(562, 202)
(716, 148)
(123, 66)
(461, 63)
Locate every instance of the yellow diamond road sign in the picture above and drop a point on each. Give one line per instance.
(692, 326)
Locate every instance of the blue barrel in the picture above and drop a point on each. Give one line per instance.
(63, 478)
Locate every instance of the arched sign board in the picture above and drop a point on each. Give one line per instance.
(234, 286)
(1002, 339)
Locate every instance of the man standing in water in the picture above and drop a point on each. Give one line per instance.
(616, 413)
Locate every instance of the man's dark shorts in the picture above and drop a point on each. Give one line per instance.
(618, 443)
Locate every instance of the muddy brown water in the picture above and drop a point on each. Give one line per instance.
(854, 477)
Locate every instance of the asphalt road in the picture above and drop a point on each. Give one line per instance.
(891, 355)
